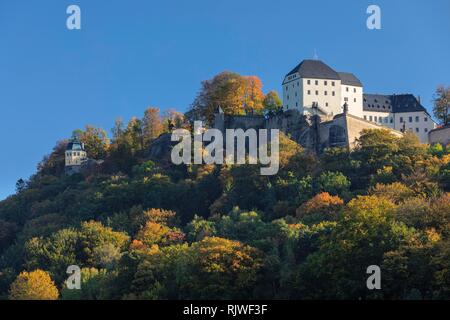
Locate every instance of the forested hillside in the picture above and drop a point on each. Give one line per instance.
(144, 230)
(140, 227)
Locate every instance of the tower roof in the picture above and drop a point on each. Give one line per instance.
(75, 145)
(315, 69)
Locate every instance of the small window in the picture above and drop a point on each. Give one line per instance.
(317, 82)
(346, 99)
(417, 129)
(401, 119)
(295, 93)
(317, 92)
(326, 104)
(376, 118)
(365, 117)
(426, 129)
(296, 104)
(325, 82)
(417, 118)
(308, 81)
(354, 99)
(298, 83)
(332, 93)
(332, 83)
(425, 119)
(370, 118)
(346, 89)
(392, 120)
(410, 119)
(354, 90)
(288, 97)
(325, 92)
(309, 91)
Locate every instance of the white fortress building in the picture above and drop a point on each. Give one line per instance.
(313, 83)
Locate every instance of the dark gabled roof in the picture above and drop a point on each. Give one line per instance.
(349, 79)
(315, 69)
(377, 102)
(406, 103)
(75, 145)
(392, 103)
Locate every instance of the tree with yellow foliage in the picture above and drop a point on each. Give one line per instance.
(235, 94)
(35, 285)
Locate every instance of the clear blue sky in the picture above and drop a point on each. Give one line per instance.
(136, 53)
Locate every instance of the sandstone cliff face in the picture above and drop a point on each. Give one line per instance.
(160, 149)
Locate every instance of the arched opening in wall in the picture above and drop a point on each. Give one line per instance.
(336, 136)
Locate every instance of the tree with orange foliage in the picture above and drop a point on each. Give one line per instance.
(253, 96)
(321, 207)
(235, 94)
(154, 233)
(35, 285)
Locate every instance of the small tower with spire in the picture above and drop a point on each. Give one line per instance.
(75, 156)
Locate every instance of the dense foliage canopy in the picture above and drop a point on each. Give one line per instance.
(143, 229)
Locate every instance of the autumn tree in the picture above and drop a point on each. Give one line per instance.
(441, 108)
(253, 96)
(173, 120)
(95, 141)
(152, 125)
(155, 233)
(272, 102)
(235, 94)
(35, 285)
(222, 269)
(396, 192)
(322, 207)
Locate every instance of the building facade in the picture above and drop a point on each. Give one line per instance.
(313, 83)
(75, 156)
